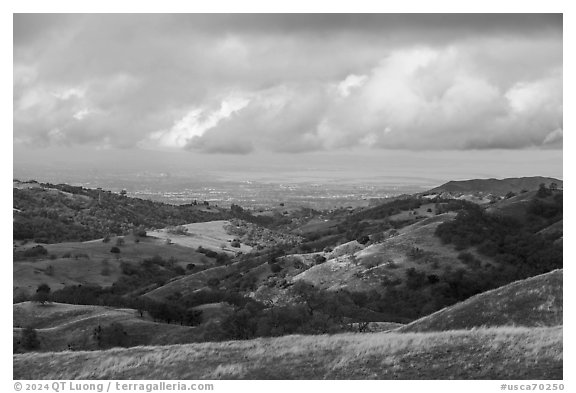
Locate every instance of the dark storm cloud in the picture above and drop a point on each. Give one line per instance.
(289, 82)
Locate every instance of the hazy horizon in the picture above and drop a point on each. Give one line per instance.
(348, 166)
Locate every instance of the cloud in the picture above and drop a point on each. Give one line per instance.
(283, 118)
(288, 83)
(414, 99)
(195, 123)
(350, 83)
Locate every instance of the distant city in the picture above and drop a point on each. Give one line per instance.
(249, 194)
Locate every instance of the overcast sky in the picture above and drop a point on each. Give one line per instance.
(245, 84)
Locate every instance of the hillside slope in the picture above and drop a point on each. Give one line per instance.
(62, 326)
(363, 268)
(503, 353)
(496, 186)
(536, 301)
(92, 263)
(51, 213)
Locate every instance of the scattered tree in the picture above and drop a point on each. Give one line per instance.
(42, 294)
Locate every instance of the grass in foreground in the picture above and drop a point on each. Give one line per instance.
(493, 353)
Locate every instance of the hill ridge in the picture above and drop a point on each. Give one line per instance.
(438, 320)
(496, 186)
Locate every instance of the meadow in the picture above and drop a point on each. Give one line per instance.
(483, 353)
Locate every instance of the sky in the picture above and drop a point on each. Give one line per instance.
(238, 88)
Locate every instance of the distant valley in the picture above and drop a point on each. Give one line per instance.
(400, 272)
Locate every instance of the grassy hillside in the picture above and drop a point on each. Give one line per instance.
(496, 186)
(361, 268)
(189, 283)
(62, 325)
(212, 235)
(49, 213)
(92, 263)
(496, 353)
(536, 301)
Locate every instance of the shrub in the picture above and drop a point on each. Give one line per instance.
(235, 243)
(222, 258)
(319, 259)
(297, 264)
(36, 251)
(115, 250)
(208, 253)
(178, 230)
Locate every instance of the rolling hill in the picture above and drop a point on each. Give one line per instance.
(51, 213)
(63, 326)
(495, 186)
(385, 271)
(536, 301)
(92, 263)
(361, 268)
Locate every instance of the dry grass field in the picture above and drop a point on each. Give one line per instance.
(73, 263)
(59, 325)
(211, 235)
(492, 353)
